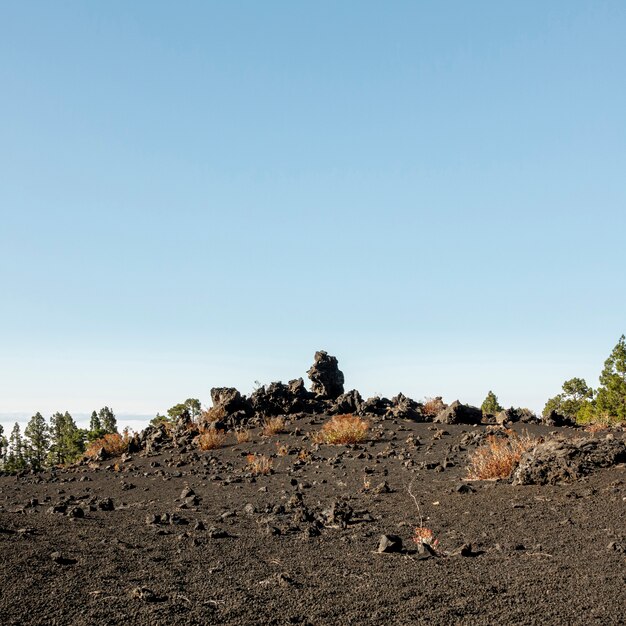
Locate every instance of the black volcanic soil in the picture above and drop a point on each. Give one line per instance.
(541, 554)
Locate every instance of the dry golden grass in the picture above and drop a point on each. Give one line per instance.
(282, 449)
(273, 426)
(113, 444)
(259, 464)
(342, 430)
(433, 406)
(211, 439)
(499, 456)
(242, 435)
(214, 414)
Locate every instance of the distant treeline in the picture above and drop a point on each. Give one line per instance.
(55, 443)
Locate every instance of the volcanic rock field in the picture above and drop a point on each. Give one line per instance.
(169, 533)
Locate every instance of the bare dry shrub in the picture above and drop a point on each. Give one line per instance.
(433, 406)
(242, 435)
(423, 535)
(259, 464)
(499, 456)
(113, 444)
(282, 449)
(273, 426)
(343, 429)
(211, 439)
(214, 414)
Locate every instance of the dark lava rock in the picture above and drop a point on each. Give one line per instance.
(458, 413)
(389, 544)
(326, 376)
(556, 419)
(564, 460)
(106, 504)
(349, 402)
(280, 399)
(376, 406)
(234, 408)
(405, 408)
(60, 559)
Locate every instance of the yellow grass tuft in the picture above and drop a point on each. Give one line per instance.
(433, 406)
(259, 464)
(273, 426)
(342, 429)
(211, 439)
(242, 435)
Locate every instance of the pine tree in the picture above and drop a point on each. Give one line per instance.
(3, 446)
(67, 440)
(108, 420)
(15, 456)
(490, 405)
(36, 442)
(576, 397)
(96, 431)
(611, 399)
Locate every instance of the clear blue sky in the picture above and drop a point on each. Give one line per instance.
(203, 194)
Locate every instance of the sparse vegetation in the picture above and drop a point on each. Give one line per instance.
(211, 439)
(259, 464)
(282, 449)
(342, 430)
(433, 406)
(499, 456)
(112, 444)
(214, 414)
(242, 435)
(273, 426)
(490, 405)
(425, 536)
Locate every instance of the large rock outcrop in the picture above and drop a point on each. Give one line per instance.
(280, 399)
(326, 376)
(564, 460)
(458, 413)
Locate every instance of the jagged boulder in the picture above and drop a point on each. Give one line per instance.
(229, 406)
(563, 460)
(349, 402)
(376, 406)
(326, 376)
(525, 416)
(280, 399)
(458, 413)
(556, 419)
(406, 408)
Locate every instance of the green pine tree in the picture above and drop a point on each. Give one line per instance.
(96, 431)
(490, 405)
(15, 457)
(611, 398)
(108, 420)
(3, 447)
(67, 440)
(36, 442)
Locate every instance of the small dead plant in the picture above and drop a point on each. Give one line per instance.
(214, 414)
(342, 430)
(242, 435)
(113, 445)
(282, 449)
(499, 456)
(211, 439)
(259, 464)
(433, 406)
(273, 426)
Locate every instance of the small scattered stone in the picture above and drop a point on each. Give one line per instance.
(389, 544)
